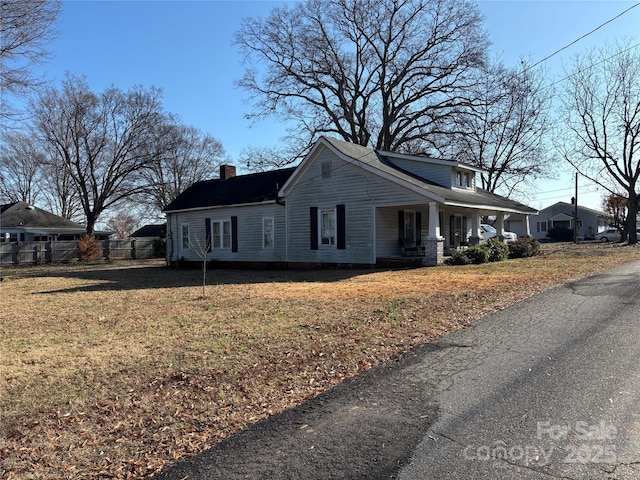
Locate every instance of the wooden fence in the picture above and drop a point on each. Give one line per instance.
(23, 253)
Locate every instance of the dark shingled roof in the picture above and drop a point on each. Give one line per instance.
(238, 190)
(23, 215)
(150, 231)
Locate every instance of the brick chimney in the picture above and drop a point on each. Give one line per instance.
(227, 171)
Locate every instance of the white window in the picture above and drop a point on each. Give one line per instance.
(186, 242)
(463, 179)
(328, 228)
(221, 234)
(267, 233)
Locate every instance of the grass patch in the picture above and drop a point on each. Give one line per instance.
(116, 370)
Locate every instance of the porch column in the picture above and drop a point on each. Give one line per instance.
(474, 239)
(434, 221)
(434, 243)
(500, 225)
(527, 228)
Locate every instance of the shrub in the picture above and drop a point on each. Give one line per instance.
(524, 247)
(560, 234)
(88, 248)
(498, 250)
(458, 258)
(477, 254)
(491, 251)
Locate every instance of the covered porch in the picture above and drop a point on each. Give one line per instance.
(426, 233)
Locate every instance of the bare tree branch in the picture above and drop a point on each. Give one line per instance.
(380, 73)
(104, 141)
(26, 26)
(601, 119)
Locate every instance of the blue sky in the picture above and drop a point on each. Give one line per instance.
(185, 48)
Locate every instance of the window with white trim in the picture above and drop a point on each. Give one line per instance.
(221, 234)
(328, 228)
(463, 179)
(186, 241)
(267, 233)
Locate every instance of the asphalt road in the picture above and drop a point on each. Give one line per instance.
(549, 388)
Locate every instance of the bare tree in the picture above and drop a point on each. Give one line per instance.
(185, 155)
(104, 141)
(261, 159)
(202, 249)
(601, 115)
(382, 73)
(616, 207)
(26, 26)
(30, 172)
(122, 224)
(60, 192)
(20, 169)
(505, 133)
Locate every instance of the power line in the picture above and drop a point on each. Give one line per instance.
(583, 36)
(592, 65)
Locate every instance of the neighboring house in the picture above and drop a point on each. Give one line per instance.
(562, 215)
(21, 222)
(150, 232)
(344, 204)
(517, 223)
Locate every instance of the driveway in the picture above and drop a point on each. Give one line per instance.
(548, 388)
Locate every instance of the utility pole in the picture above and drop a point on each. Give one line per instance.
(575, 213)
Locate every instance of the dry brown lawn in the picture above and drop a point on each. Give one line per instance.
(116, 370)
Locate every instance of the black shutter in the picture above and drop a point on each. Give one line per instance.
(418, 228)
(234, 234)
(313, 213)
(452, 230)
(463, 238)
(207, 235)
(401, 227)
(341, 220)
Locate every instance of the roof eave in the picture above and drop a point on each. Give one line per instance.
(476, 206)
(219, 207)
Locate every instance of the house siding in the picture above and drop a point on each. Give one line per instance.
(360, 192)
(440, 174)
(387, 238)
(592, 221)
(249, 234)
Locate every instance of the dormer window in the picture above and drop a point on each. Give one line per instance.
(463, 179)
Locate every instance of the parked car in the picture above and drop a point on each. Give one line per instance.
(609, 235)
(488, 231)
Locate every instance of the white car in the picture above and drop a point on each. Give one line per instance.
(488, 231)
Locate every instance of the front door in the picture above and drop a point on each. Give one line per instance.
(410, 226)
(457, 230)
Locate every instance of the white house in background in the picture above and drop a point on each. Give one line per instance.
(562, 215)
(22, 222)
(344, 204)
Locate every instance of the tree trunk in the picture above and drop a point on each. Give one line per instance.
(632, 213)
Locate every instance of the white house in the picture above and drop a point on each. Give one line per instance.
(562, 215)
(344, 204)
